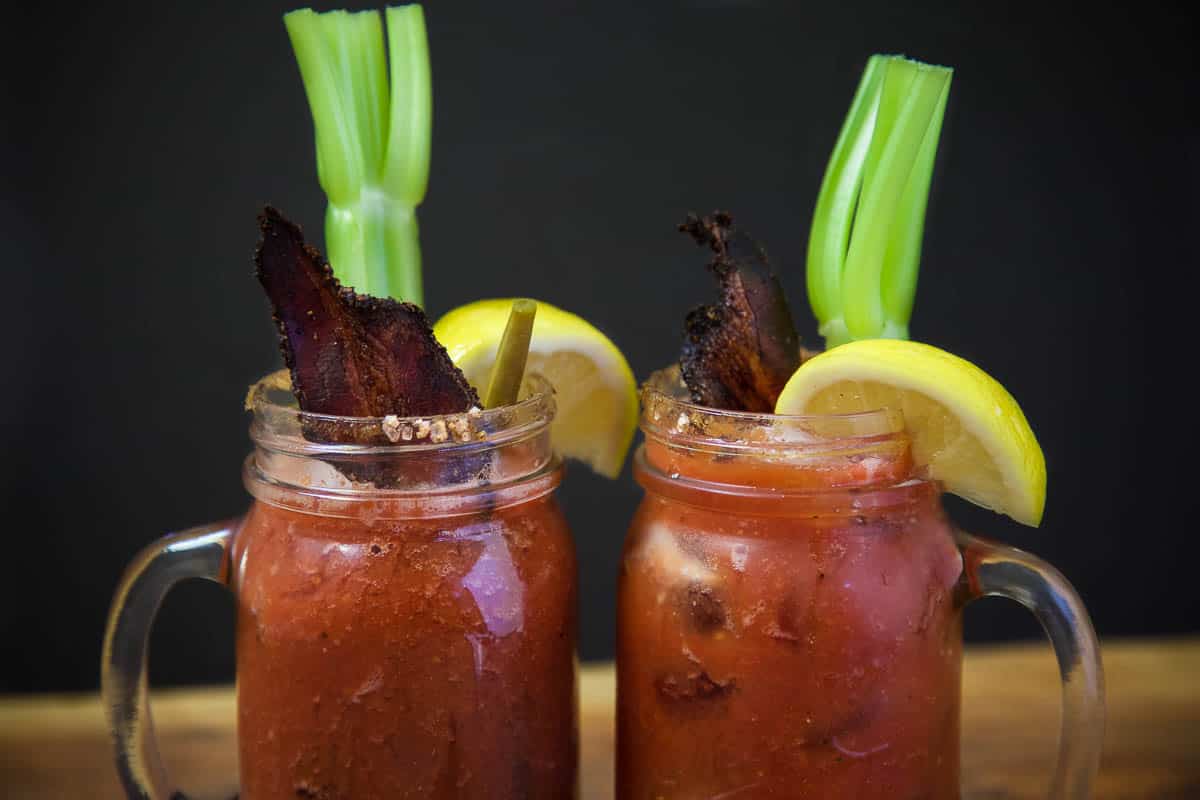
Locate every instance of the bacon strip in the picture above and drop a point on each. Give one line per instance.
(739, 353)
(350, 354)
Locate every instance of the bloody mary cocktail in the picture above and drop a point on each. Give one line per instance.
(413, 641)
(788, 623)
(790, 592)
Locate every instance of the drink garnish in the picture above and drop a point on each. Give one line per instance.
(864, 247)
(967, 431)
(372, 113)
(369, 88)
(594, 388)
(350, 354)
(511, 355)
(740, 352)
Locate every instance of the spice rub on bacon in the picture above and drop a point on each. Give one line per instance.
(738, 353)
(350, 354)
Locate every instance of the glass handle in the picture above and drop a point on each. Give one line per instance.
(995, 569)
(201, 552)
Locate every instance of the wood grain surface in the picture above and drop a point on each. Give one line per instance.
(57, 746)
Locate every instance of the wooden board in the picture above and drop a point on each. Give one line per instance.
(57, 746)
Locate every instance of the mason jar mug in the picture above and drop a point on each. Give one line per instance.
(790, 614)
(406, 612)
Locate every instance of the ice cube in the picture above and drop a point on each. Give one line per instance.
(686, 580)
(676, 566)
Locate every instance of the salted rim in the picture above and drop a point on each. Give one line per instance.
(278, 423)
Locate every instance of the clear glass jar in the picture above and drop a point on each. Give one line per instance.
(409, 637)
(789, 614)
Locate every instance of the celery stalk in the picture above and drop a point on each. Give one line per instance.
(837, 200)
(373, 140)
(407, 166)
(865, 240)
(903, 259)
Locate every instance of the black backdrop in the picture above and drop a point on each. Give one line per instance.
(140, 139)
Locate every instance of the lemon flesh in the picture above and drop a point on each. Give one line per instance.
(966, 429)
(594, 387)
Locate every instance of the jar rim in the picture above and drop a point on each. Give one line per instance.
(431, 465)
(672, 417)
(278, 424)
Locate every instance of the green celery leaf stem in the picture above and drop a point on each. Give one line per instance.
(402, 240)
(898, 284)
(344, 245)
(365, 240)
(324, 52)
(372, 183)
(898, 76)
(410, 132)
(865, 241)
(838, 196)
(910, 97)
(369, 76)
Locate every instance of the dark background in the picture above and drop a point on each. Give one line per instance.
(139, 141)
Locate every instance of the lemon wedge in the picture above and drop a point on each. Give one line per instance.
(594, 387)
(966, 429)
